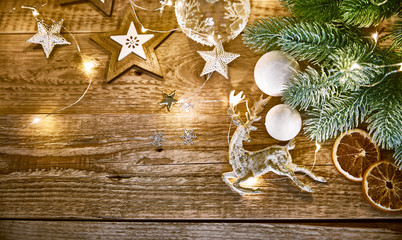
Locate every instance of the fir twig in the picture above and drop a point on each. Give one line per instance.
(314, 9)
(309, 41)
(363, 13)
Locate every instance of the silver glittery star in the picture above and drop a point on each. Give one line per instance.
(48, 36)
(188, 136)
(157, 139)
(217, 60)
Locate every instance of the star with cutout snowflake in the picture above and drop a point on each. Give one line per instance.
(188, 136)
(132, 42)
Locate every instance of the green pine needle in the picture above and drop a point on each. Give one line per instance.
(363, 13)
(342, 113)
(309, 88)
(385, 118)
(314, 9)
(309, 41)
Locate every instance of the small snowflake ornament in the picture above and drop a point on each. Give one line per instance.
(157, 139)
(188, 136)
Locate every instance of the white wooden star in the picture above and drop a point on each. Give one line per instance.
(132, 42)
(217, 60)
(48, 36)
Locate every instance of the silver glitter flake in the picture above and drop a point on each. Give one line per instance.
(186, 106)
(48, 36)
(217, 60)
(188, 136)
(157, 139)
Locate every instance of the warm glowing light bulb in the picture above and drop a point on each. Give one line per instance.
(211, 38)
(355, 66)
(375, 36)
(35, 13)
(88, 65)
(251, 181)
(36, 120)
(317, 147)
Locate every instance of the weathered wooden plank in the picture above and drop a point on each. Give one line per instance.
(29, 83)
(31, 230)
(175, 191)
(89, 139)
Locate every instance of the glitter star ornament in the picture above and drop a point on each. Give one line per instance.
(105, 6)
(130, 47)
(48, 36)
(217, 60)
(168, 100)
(132, 42)
(188, 136)
(157, 139)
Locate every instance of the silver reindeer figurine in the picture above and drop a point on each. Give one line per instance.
(247, 164)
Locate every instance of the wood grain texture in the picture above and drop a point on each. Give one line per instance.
(192, 230)
(95, 160)
(174, 191)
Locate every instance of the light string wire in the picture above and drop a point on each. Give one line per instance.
(169, 3)
(87, 66)
(144, 29)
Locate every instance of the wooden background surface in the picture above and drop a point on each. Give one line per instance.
(90, 172)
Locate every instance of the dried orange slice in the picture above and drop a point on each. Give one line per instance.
(353, 152)
(382, 186)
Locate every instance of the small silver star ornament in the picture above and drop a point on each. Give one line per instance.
(168, 100)
(217, 60)
(48, 36)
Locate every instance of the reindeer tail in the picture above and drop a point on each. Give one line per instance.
(291, 144)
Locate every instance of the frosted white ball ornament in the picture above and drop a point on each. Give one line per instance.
(211, 22)
(282, 122)
(273, 70)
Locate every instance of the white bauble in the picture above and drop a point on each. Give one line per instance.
(272, 71)
(282, 122)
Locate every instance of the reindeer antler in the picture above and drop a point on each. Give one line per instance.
(234, 100)
(252, 116)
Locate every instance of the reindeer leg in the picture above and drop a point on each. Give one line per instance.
(300, 184)
(245, 190)
(309, 173)
(225, 178)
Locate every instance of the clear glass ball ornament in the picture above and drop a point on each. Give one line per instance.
(211, 22)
